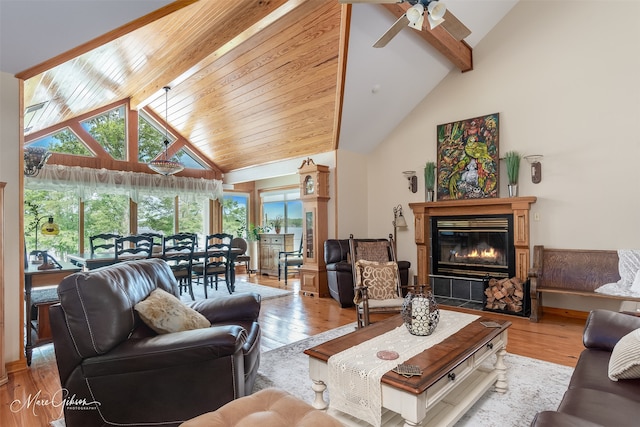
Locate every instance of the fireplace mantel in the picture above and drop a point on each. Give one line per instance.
(517, 206)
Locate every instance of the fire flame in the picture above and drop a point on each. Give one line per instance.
(487, 253)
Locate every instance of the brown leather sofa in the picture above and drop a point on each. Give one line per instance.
(340, 274)
(115, 370)
(592, 399)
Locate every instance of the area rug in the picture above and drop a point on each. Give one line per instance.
(242, 287)
(534, 385)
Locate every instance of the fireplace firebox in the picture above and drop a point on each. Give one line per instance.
(473, 246)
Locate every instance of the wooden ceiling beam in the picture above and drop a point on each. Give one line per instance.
(343, 50)
(458, 52)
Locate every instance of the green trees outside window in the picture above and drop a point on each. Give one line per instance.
(63, 207)
(105, 213)
(235, 214)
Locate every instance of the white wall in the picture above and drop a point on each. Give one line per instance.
(351, 182)
(566, 86)
(10, 173)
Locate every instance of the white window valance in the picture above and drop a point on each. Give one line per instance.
(86, 181)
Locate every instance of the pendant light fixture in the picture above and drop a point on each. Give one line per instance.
(165, 166)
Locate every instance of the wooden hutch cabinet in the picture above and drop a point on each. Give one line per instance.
(270, 247)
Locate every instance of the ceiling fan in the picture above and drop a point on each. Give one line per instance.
(436, 13)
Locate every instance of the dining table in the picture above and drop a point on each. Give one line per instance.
(89, 261)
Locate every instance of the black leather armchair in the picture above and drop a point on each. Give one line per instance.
(118, 371)
(340, 271)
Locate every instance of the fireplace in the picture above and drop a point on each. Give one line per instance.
(476, 237)
(473, 246)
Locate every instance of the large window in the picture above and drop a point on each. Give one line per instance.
(155, 215)
(286, 205)
(105, 213)
(235, 214)
(191, 217)
(63, 208)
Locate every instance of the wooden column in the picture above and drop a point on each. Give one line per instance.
(517, 206)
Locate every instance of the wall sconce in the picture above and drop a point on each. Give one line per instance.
(413, 180)
(536, 167)
(398, 222)
(34, 160)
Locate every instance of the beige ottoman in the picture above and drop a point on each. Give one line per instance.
(267, 408)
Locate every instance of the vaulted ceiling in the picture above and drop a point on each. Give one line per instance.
(252, 81)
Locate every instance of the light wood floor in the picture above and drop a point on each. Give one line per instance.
(283, 321)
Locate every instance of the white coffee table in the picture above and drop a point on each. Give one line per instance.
(455, 374)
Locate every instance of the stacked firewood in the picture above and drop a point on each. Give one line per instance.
(505, 294)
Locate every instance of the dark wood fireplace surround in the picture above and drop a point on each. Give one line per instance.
(517, 206)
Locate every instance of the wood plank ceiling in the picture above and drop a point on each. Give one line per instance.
(253, 81)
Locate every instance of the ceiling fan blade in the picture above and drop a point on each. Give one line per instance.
(454, 27)
(392, 31)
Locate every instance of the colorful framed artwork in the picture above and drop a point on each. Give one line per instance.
(468, 158)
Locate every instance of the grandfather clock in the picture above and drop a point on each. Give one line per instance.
(314, 192)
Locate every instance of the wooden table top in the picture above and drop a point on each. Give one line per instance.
(435, 362)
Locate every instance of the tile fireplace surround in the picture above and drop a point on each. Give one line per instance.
(517, 206)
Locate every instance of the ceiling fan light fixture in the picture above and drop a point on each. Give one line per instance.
(437, 9)
(436, 13)
(415, 15)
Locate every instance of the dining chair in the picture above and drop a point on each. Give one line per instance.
(157, 238)
(287, 260)
(103, 242)
(135, 246)
(216, 262)
(244, 257)
(177, 251)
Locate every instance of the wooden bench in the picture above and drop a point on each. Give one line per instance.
(571, 271)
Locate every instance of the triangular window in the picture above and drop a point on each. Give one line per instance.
(150, 138)
(64, 141)
(109, 130)
(188, 160)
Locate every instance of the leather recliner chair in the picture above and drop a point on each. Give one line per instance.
(115, 370)
(340, 271)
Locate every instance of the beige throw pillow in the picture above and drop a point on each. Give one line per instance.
(164, 313)
(380, 278)
(624, 363)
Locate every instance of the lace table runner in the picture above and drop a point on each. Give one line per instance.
(354, 374)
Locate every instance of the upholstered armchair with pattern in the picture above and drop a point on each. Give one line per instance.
(337, 257)
(376, 278)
